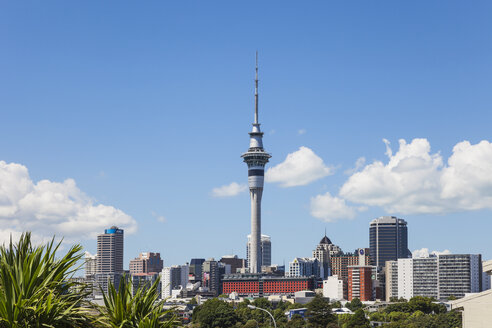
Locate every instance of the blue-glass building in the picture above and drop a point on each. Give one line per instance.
(388, 240)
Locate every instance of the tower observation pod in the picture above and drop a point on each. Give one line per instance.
(256, 158)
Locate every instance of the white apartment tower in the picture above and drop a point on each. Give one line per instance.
(438, 276)
(265, 255)
(256, 158)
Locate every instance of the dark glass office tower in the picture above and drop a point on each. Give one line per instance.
(388, 240)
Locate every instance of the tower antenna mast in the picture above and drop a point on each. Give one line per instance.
(256, 90)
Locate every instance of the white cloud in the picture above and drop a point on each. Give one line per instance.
(301, 132)
(299, 168)
(160, 218)
(415, 181)
(329, 208)
(361, 161)
(48, 208)
(424, 252)
(229, 190)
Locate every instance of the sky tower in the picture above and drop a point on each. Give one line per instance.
(256, 158)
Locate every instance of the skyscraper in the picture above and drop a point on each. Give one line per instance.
(388, 240)
(109, 257)
(265, 256)
(256, 159)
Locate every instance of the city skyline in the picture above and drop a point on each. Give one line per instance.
(114, 123)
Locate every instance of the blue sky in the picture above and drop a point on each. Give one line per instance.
(146, 107)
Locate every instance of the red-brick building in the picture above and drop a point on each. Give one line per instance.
(264, 285)
(360, 282)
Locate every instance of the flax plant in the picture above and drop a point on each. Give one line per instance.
(35, 286)
(144, 310)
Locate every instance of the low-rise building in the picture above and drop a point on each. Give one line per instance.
(259, 285)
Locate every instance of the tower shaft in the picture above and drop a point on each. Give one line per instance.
(256, 158)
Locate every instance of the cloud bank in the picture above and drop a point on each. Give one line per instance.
(298, 169)
(414, 180)
(229, 190)
(329, 208)
(47, 208)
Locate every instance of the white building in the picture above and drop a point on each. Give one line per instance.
(90, 265)
(265, 251)
(333, 288)
(436, 276)
(417, 277)
(172, 278)
(304, 267)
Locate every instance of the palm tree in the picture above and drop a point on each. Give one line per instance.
(144, 310)
(35, 286)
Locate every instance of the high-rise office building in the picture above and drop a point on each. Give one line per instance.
(265, 255)
(388, 240)
(109, 264)
(147, 262)
(256, 158)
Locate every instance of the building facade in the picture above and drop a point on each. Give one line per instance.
(360, 282)
(144, 281)
(304, 267)
(234, 262)
(265, 255)
(172, 278)
(459, 274)
(439, 276)
(333, 288)
(388, 240)
(323, 254)
(147, 262)
(196, 269)
(109, 263)
(211, 276)
(258, 285)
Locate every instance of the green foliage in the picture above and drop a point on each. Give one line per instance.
(358, 320)
(215, 313)
(123, 310)
(336, 305)
(297, 321)
(35, 286)
(251, 324)
(319, 312)
(354, 305)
